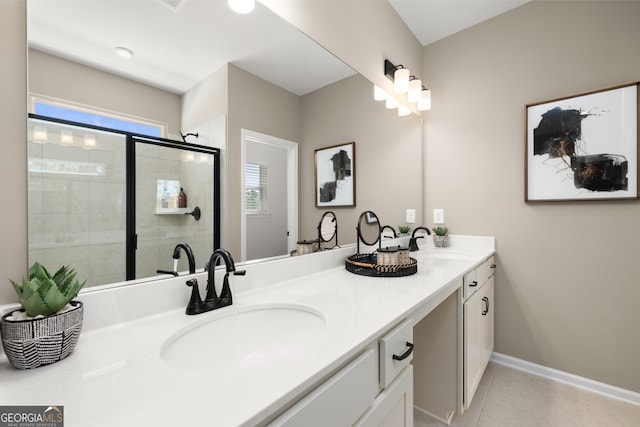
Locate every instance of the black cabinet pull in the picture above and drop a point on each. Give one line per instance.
(493, 266)
(486, 306)
(472, 284)
(406, 353)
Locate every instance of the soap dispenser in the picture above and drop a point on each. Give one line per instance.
(182, 199)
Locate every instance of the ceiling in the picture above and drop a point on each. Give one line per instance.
(178, 43)
(432, 20)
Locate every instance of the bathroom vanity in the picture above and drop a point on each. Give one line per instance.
(304, 343)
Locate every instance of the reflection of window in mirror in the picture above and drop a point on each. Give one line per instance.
(72, 112)
(256, 188)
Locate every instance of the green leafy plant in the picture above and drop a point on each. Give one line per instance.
(440, 231)
(404, 228)
(43, 294)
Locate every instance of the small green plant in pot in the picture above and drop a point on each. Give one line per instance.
(47, 328)
(404, 229)
(440, 237)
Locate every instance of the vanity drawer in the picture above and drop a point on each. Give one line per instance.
(469, 284)
(340, 400)
(486, 269)
(396, 352)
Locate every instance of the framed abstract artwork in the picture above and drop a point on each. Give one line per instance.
(335, 175)
(583, 147)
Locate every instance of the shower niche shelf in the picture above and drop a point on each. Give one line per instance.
(173, 211)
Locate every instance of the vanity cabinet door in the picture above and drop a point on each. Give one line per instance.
(340, 400)
(394, 406)
(478, 337)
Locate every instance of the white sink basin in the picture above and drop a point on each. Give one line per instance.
(245, 337)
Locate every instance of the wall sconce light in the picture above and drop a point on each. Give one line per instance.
(403, 110)
(425, 100)
(415, 90)
(412, 86)
(379, 94)
(392, 103)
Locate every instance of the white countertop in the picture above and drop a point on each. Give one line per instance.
(117, 377)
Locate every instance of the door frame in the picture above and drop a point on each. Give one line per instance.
(292, 185)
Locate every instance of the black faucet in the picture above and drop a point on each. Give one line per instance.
(189, 252)
(390, 228)
(212, 301)
(176, 257)
(413, 244)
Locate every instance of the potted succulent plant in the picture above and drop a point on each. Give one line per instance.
(404, 229)
(440, 238)
(47, 327)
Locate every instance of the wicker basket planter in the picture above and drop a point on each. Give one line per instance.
(30, 343)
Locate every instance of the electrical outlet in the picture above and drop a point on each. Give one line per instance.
(411, 216)
(438, 216)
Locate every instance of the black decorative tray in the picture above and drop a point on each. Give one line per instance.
(366, 265)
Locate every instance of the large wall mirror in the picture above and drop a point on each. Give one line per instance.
(199, 68)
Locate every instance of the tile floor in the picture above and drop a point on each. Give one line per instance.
(508, 397)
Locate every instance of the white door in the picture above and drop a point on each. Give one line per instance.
(270, 202)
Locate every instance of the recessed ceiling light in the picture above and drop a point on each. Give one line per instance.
(123, 52)
(242, 6)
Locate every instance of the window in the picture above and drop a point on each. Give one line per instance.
(255, 188)
(70, 112)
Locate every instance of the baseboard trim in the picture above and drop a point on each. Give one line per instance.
(567, 378)
(445, 421)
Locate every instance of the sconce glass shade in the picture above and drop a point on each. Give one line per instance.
(242, 6)
(392, 103)
(403, 110)
(425, 100)
(401, 80)
(379, 94)
(415, 90)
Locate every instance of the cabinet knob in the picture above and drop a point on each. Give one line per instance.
(472, 284)
(406, 353)
(493, 266)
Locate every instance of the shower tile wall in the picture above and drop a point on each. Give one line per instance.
(77, 201)
(159, 234)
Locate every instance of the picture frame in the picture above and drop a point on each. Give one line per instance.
(335, 175)
(583, 147)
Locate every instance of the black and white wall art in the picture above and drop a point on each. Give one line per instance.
(335, 175)
(583, 147)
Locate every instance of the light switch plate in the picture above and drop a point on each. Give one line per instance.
(411, 216)
(438, 216)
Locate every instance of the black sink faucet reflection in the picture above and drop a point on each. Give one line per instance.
(413, 242)
(176, 256)
(187, 250)
(212, 301)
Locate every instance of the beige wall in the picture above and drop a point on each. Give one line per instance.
(567, 280)
(59, 78)
(13, 162)
(206, 101)
(361, 33)
(388, 154)
(260, 106)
